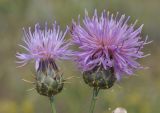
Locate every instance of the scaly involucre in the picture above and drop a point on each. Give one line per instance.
(44, 44)
(108, 42)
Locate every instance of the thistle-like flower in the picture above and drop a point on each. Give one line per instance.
(108, 48)
(45, 47)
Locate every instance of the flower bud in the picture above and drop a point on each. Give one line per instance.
(104, 79)
(120, 110)
(49, 81)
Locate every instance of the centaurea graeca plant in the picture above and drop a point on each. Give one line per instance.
(108, 49)
(45, 47)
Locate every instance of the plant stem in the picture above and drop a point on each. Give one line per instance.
(52, 104)
(94, 98)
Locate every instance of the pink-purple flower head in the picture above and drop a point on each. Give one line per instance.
(108, 42)
(44, 45)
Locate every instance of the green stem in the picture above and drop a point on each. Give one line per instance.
(52, 104)
(94, 98)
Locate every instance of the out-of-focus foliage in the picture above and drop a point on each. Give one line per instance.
(137, 94)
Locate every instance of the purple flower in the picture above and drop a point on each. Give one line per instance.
(108, 42)
(46, 44)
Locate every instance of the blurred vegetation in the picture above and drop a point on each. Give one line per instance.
(138, 94)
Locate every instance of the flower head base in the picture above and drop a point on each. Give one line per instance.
(49, 81)
(45, 47)
(100, 78)
(109, 43)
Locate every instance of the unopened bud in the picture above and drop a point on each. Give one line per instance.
(120, 110)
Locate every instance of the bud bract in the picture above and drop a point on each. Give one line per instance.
(104, 79)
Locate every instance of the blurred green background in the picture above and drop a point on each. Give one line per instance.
(138, 94)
